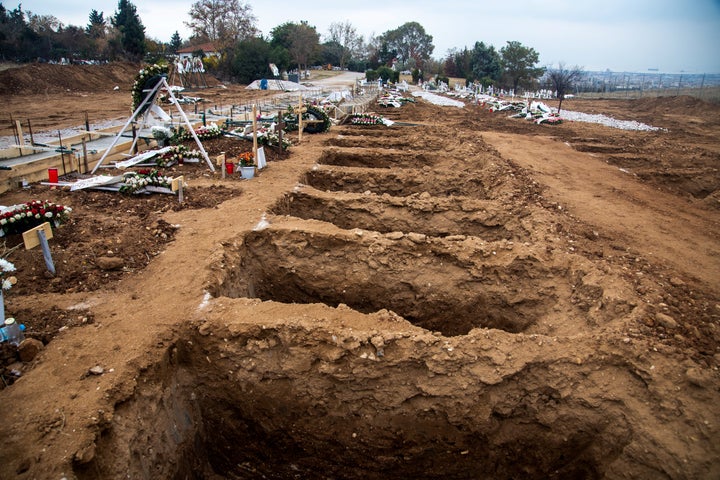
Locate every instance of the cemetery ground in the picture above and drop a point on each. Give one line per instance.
(460, 295)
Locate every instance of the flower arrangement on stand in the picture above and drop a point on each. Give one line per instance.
(177, 154)
(146, 79)
(366, 119)
(19, 218)
(206, 132)
(134, 182)
(162, 134)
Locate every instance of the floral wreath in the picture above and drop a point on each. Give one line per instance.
(176, 154)
(206, 132)
(146, 79)
(310, 110)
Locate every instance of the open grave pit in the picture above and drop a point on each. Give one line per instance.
(450, 285)
(375, 158)
(414, 142)
(401, 182)
(421, 213)
(232, 399)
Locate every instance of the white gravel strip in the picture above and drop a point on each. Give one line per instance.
(607, 121)
(438, 100)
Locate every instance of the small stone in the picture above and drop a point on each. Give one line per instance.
(394, 235)
(97, 370)
(676, 282)
(666, 321)
(698, 377)
(417, 237)
(29, 348)
(86, 454)
(204, 329)
(109, 263)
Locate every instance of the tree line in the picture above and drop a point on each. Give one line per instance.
(246, 55)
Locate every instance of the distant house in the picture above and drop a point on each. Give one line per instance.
(208, 49)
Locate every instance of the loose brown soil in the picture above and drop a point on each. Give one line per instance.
(470, 296)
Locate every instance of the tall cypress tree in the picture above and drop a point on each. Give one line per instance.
(175, 42)
(96, 27)
(132, 31)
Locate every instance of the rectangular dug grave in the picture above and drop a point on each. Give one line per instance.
(421, 213)
(430, 283)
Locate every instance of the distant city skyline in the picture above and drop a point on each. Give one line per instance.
(671, 36)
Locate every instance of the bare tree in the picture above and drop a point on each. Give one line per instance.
(563, 79)
(43, 23)
(345, 35)
(222, 21)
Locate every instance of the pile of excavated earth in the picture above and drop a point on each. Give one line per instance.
(459, 295)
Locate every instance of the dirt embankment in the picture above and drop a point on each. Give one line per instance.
(464, 295)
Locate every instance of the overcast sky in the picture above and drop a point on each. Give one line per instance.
(621, 35)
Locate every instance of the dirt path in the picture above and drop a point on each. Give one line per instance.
(645, 220)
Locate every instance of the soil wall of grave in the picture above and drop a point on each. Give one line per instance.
(420, 213)
(234, 400)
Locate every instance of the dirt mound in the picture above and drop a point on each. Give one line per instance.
(42, 78)
(683, 104)
(38, 78)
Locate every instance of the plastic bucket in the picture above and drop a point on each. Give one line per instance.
(52, 175)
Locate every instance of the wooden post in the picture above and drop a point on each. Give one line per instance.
(254, 124)
(62, 154)
(39, 236)
(14, 128)
(300, 125)
(46, 252)
(84, 155)
(32, 140)
(133, 149)
(18, 129)
(177, 186)
(87, 121)
(280, 127)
